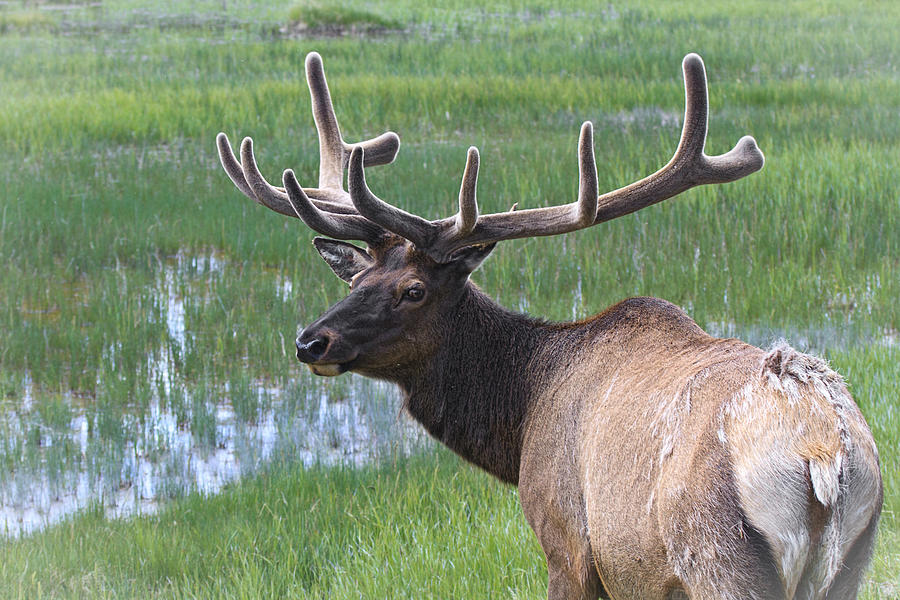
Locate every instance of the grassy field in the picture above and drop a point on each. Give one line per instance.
(115, 214)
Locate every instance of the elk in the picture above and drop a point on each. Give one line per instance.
(653, 460)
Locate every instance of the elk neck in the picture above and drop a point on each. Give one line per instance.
(475, 393)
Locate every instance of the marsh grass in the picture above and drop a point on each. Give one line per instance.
(115, 216)
(337, 19)
(24, 21)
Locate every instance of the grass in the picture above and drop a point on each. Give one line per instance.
(336, 18)
(114, 208)
(317, 533)
(24, 20)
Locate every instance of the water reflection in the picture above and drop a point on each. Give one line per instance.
(61, 453)
(68, 469)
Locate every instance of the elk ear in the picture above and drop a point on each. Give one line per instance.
(469, 258)
(346, 260)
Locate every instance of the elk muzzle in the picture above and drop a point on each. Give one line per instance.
(315, 347)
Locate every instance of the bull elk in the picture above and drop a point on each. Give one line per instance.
(653, 460)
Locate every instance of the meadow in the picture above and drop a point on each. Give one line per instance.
(147, 306)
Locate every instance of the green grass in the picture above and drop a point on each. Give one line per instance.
(337, 18)
(24, 20)
(108, 116)
(428, 527)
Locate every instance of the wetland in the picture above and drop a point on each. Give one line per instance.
(157, 436)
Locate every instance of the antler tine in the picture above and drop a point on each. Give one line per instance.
(689, 166)
(696, 108)
(743, 159)
(325, 199)
(277, 199)
(328, 208)
(333, 150)
(380, 150)
(468, 205)
(412, 227)
(342, 227)
(232, 166)
(263, 192)
(588, 188)
(331, 145)
(439, 239)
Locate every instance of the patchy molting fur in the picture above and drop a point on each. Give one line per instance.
(501, 404)
(830, 452)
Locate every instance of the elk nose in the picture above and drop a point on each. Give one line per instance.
(311, 350)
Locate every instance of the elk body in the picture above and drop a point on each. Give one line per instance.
(653, 460)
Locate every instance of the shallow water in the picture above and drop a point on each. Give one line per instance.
(70, 470)
(62, 452)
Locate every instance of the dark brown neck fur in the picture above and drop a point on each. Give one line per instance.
(475, 398)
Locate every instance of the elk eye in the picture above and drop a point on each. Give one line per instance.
(415, 293)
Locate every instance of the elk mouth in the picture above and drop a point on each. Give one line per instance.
(329, 369)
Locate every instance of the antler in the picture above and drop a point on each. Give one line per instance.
(689, 167)
(327, 209)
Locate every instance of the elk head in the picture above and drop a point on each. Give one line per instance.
(403, 286)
